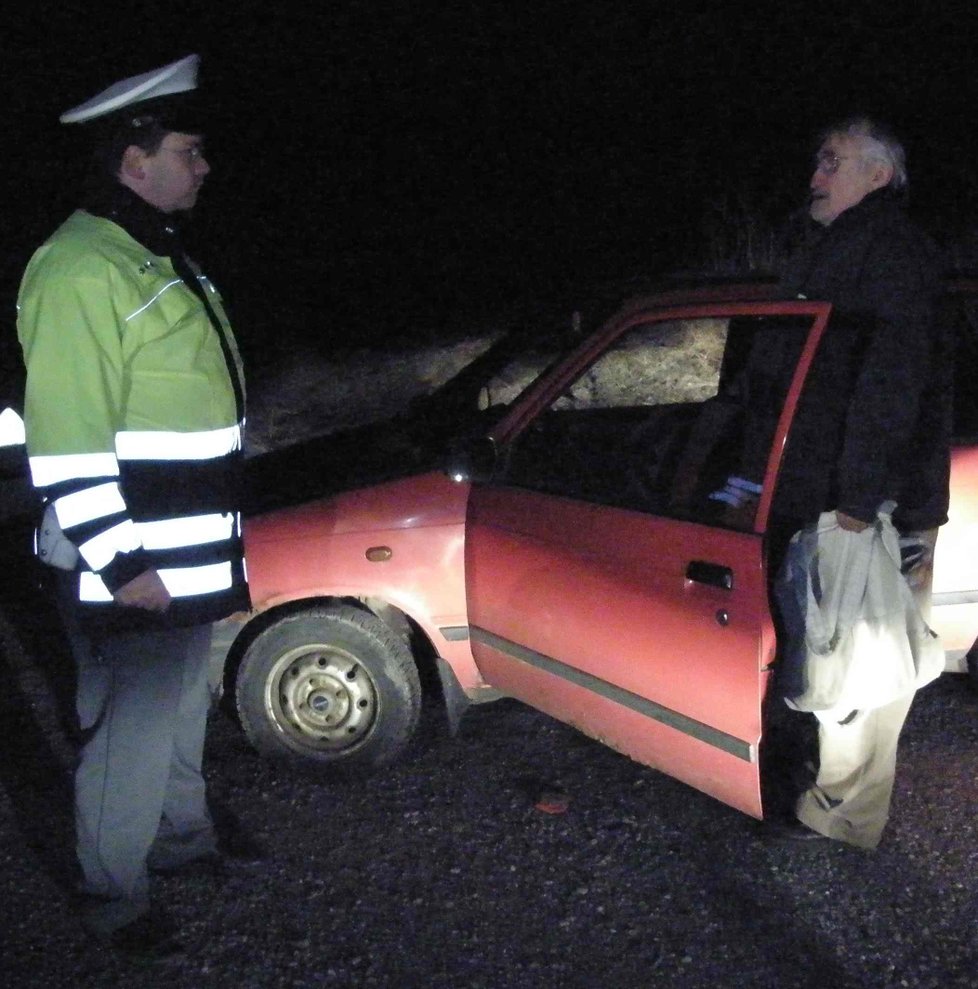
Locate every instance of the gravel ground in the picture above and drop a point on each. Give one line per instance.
(441, 872)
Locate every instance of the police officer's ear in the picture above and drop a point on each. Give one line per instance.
(133, 164)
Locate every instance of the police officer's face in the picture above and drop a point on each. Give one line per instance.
(843, 176)
(175, 173)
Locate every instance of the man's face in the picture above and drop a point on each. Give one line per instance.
(174, 174)
(842, 177)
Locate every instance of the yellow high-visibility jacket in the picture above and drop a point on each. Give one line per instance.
(134, 415)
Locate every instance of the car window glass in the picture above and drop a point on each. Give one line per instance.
(515, 375)
(665, 417)
(657, 364)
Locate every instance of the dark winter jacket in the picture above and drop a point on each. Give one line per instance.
(874, 421)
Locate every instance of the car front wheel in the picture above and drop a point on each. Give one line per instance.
(332, 687)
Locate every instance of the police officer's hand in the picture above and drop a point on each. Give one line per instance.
(145, 591)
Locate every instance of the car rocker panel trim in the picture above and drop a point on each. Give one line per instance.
(641, 705)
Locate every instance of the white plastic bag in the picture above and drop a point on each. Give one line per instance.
(856, 638)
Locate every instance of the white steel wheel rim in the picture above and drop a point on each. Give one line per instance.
(320, 697)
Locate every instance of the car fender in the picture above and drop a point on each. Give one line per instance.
(397, 545)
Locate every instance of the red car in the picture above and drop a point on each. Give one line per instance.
(579, 559)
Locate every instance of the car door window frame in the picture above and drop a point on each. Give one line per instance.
(547, 390)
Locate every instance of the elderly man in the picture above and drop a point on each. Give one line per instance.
(873, 426)
(134, 411)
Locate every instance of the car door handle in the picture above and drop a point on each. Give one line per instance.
(714, 574)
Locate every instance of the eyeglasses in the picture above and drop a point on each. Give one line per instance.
(828, 162)
(194, 153)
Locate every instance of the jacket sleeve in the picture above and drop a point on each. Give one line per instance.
(75, 390)
(899, 292)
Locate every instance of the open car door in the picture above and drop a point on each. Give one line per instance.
(612, 581)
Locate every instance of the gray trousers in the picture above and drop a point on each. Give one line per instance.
(850, 798)
(140, 797)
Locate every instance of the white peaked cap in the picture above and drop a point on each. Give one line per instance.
(177, 77)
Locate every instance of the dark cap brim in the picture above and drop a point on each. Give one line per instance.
(186, 113)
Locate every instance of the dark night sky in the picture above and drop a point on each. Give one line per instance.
(382, 162)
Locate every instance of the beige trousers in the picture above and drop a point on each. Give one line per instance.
(850, 798)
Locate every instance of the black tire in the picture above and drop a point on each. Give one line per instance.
(973, 667)
(332, 688)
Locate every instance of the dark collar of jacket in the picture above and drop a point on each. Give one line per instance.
(805, 233)
(828, 260)
(879, 203)
(158, 232)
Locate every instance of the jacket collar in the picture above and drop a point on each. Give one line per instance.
(876, 203)
(157, 231)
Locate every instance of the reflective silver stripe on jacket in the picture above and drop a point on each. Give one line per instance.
(89, 504)
(180, 582)
(100, 550)
(145, 306)
(160, 445)
(54, 468)
(94, 503)
(195, 530)
(11, 428)
(104, 500)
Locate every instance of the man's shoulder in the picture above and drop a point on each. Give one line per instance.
(83, 245)
(887, 216)
(84, 230)
(898, 235)
(878, 236)
(895, 216)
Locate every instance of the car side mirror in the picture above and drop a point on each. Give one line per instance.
(472, 459)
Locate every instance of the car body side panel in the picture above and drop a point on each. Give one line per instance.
(955, 603)
(586, 612)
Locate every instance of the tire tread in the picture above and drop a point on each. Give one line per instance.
(389, 737)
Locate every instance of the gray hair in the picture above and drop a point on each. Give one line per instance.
(879, 144)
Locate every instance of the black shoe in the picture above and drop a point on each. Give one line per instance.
(152, 937)
(232, 846)
(791, 830)
(233, 842)
(240, 846)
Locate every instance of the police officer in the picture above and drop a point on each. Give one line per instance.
(134, 408)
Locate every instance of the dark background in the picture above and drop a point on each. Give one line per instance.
(398, 169)
(401, 169)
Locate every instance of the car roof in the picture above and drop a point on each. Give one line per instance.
(700, 292)
(693, 290)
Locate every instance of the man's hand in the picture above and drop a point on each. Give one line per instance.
(146, 591)
(850, 524)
